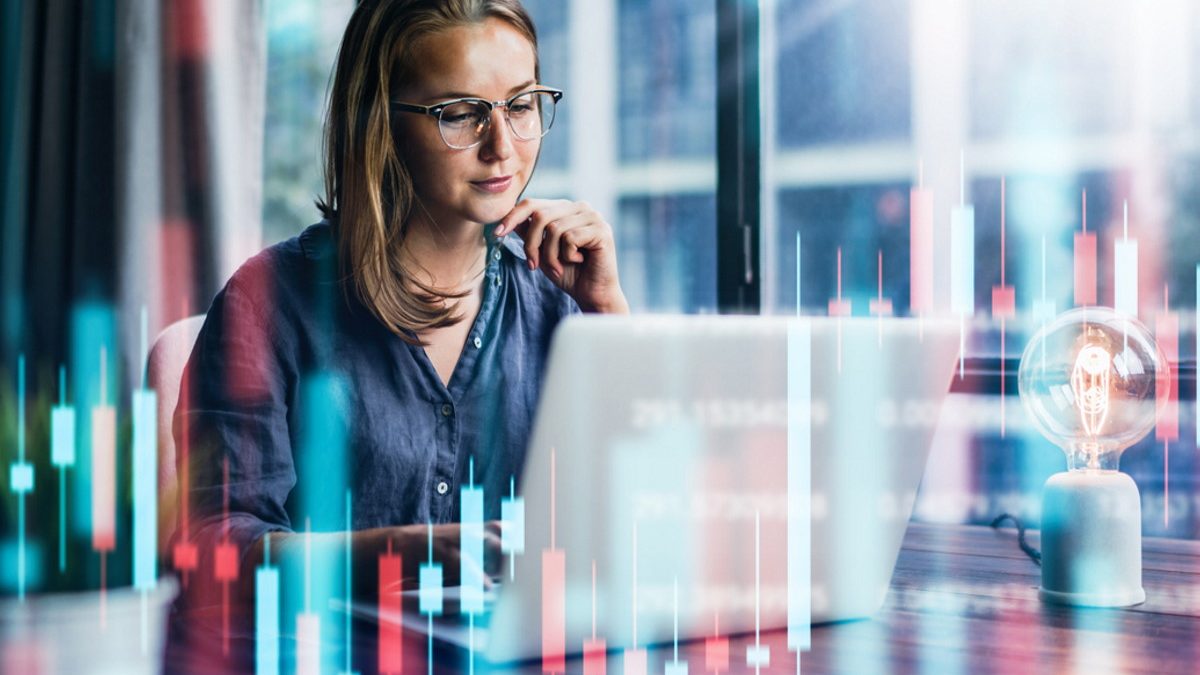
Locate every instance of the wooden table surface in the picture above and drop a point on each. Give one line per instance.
(964, 600)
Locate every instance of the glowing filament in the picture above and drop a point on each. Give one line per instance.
(1090, 381)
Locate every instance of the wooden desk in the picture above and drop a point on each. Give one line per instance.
(964, 600)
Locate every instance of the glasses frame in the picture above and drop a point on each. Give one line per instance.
(436, 110)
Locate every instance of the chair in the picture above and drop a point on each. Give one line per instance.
(164, 370)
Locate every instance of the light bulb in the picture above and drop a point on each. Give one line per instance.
(1092, 382)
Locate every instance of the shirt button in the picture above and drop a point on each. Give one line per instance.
(442, 488)
(447, 410)
(496, 281)
(478, 343)
(496, 254)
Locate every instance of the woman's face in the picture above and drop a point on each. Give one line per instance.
(492, 61)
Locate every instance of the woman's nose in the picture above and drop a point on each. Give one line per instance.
(498, 143)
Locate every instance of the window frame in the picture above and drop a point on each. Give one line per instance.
(739, 158)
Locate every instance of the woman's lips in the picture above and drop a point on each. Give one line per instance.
(493, 185)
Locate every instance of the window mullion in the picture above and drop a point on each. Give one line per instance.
(739, 155)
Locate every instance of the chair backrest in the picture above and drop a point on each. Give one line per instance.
(164, 370)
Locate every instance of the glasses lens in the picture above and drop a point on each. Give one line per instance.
(531, 115)
(462, 124)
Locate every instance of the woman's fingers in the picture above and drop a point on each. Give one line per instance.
(448, 551)
(532, 232)
(569, 251)
(548, 247)
(588, 237)
(560, 235)
(551, 253)
(519, 214)
(493, 532)
(544, 224)
(474, 568)
(493, 557)
(529, 220)
(568, 238)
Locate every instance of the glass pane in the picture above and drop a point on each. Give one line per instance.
(667, 99)
(843, 71)
(1038, 69)
(635, 137)
(666, 252)
(872, 220)
(554, 59)
(302, 42)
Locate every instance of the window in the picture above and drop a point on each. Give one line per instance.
(302, 42)
(1056, 100)
(637, 137)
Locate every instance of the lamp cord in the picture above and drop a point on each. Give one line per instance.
(1034, 554)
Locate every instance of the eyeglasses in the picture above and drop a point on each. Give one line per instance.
(463, 122)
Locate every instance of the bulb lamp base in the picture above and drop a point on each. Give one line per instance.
(1091, 540)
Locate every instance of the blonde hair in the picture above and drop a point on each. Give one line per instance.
(369, 194)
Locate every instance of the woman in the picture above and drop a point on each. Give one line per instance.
(393, 352)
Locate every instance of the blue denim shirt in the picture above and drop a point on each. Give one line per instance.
(296, 393)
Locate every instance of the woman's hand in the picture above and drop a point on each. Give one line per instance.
(573, 246)
(412, 541)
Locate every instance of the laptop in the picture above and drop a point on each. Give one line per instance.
(699, 476)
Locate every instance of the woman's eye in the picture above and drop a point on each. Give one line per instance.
(461, 114)
(520, 109)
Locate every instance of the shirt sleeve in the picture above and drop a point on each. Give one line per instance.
(231, 424)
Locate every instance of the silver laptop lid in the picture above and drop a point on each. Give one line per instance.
(668, 441)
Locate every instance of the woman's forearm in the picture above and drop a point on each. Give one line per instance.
(410, 542)
(365, 548)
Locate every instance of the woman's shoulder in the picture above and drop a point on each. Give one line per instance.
(269, 298)
(287, 262)
(281, 276)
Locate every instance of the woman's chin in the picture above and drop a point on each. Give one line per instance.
(491, 213)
